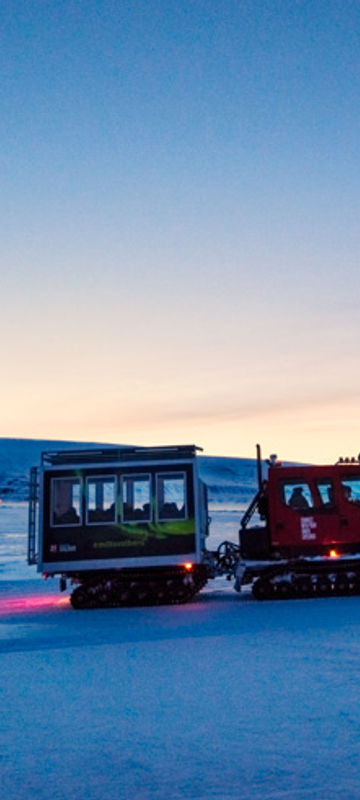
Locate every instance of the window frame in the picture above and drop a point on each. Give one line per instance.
(345, 480)
(292, 482)
(328, 505)
(89, 479)
(74, 480)
(135, 476)
(169, 475)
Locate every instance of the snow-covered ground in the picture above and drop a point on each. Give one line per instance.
(223, 698)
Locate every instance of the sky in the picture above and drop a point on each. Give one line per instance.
(180, 231)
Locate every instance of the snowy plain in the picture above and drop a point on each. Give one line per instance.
(224, 698)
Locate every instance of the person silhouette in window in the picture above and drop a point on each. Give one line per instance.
(298, 499)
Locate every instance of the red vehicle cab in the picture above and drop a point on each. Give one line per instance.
(308, 510)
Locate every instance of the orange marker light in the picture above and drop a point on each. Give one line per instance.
(334, 554)
(188, 566)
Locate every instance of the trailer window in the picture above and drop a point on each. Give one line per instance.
(66, 501)
(100, 500)
(351, 489)
(297, 495)
(326, 492)
(136, 498)
(171, 496)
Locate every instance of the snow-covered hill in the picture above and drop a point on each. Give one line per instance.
(229, 480)
(16, 458)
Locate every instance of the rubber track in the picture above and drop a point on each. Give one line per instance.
(154, 591)
(306, 585)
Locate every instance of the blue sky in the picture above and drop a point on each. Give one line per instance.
(180, 223)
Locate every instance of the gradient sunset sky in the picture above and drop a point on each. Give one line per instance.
(180, 223)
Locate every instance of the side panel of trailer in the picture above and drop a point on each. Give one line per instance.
(111, 516)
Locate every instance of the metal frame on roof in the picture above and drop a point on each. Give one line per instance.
(112, 454)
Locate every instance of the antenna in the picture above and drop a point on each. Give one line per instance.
(259, 465)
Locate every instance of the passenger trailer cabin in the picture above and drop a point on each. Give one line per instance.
(122, 523)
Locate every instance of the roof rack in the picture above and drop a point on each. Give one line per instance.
(109, 454)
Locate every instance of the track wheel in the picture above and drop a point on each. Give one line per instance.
(284, 590)
(323, 585)
(102, 598)
(185, 592)
(304, 586)
(156, 593)
(143, 594)
(342, 584)
(354, 583)
(263, 589)
(80, 598)
(170, 594)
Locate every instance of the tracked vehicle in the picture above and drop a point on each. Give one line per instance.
(126, 526)
(308, 540)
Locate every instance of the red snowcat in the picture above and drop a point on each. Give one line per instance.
(308, 539)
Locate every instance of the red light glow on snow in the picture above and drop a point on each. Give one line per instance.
(38, 602)
(334, 554)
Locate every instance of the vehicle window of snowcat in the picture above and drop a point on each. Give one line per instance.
(136, 496)
(297, 495)
(171, 496)
(66, 501)
(326, 492)
(100, 500)
(351, 489)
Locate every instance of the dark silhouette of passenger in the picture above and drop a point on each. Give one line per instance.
(131, 514)
(68, 517)
(128, 512)
(102, 514)
(171, 511)
(298, 499)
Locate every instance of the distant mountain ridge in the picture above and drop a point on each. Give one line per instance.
(228, 479)
(17, 456)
